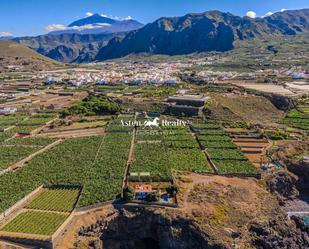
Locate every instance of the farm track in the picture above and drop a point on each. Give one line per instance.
(130, 157)
(212, 165)
(45, 211)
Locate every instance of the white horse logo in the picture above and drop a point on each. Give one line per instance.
(150, 123)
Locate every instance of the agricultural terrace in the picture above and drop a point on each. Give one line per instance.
(159, 151)
(22, 124)
(225, 155)
(96, 163)
(33, 122)
(12, 150)
(298, 119)
(35, 222)
(7, 121)
(55, 199)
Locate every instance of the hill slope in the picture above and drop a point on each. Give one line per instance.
(14, 54)
(208, 31)
(68, 47)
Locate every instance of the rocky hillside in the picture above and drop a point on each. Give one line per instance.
(14, 55)
(208, 31)
(215, 213)
(68, 48)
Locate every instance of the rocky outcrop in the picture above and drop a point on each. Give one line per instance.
(283, 184)
(142, 228)
(279, 233)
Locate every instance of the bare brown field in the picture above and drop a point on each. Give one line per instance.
(253, 148)
(51, 100)
(73, 133)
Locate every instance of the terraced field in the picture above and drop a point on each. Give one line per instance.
(297, 119)
(96, 163)
(12, 154)
(220, 148)
(55, 199)
(35, 222)
(160, 151)
(7, 121)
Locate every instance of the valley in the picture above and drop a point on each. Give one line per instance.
(158, 135)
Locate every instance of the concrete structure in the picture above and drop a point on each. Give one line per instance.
(186, 105)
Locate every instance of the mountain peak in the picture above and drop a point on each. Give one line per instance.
(96, 24)
(95, 18)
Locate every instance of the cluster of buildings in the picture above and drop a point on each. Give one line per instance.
(118, 74)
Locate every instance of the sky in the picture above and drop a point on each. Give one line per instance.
(32, 17)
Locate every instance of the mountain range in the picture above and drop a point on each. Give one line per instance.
(208, 31)
(69, 48)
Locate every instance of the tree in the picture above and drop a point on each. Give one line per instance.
(172, 190)
(128, 194)
(152, 197)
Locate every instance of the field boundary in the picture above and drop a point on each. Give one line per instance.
(7, 214)
(22, 162)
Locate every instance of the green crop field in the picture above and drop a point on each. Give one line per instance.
(96, 163)
(152, 158)
(25, 128)
(188, 160)
(182, 144)
(225, 155)
(297, 119)
(55, 199)
(38, 141)
(35, 222)
(178, 150)
(5, 135)
(6, 121)
(235, 166)
(13, 154)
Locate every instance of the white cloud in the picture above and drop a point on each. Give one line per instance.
(61, 27)
(127, 18)
(268, 14)
(6, 34)
(117, 18)
(89, 14)
(283, 10)
(251, 14)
